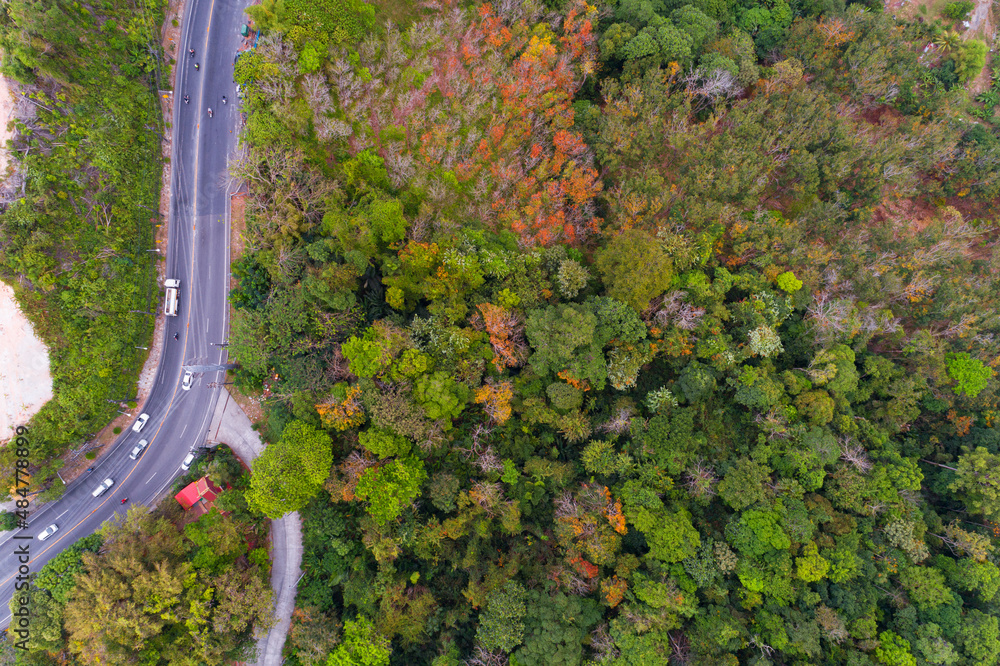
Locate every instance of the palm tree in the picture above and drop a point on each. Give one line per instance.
(948, 41)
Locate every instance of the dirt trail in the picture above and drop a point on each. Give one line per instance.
(980, 18)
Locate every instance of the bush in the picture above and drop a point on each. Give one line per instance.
(116, 430)
(8, 521)
(958, 11)
(90, 455)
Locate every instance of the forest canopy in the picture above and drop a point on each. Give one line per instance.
(640, 332)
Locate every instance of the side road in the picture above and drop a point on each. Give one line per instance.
(231, 426)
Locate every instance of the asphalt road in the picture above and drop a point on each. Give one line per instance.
(197, 254)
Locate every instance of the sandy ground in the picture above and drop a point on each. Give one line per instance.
(25, 382)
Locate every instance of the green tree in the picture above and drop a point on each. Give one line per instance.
(361, 646)
(811, 567)
(978, 483)
(894, 650)
(563, 337)
(555, 627)
(970, 58)
(291, 471)
(970, 375)
(979, 637)
(745, 484)
(391, 487)
(670, 535)
(635, 268)
(383, 443)
(501, 626)
(925, 586)
(441, 396)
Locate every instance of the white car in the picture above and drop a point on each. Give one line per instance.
(103, 488)
(140, 422)
(48, 531)
(186, 465)
(139, 448)
(188, 381)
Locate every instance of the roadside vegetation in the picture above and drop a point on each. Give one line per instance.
(78, 219)
(158, 587)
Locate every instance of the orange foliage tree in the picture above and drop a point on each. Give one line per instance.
(506, 332)
(589, 521)
(495, 398)
(480, 119)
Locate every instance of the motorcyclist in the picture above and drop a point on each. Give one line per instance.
(90, 469)
(209, 112)
(196, 66)
(223, 99)
(176, 336)
(124, 499)
(186, 99)
(191, 52)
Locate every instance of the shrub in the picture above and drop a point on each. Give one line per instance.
(958, 11)
(8, 521)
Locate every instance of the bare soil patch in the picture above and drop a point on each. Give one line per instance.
(25, 380)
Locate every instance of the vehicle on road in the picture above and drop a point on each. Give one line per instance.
(48, 531)
(103, 488)
(170, 306)
(209, 112)
(186, 464)
(188, 381)
(138, 450)
(140, 422)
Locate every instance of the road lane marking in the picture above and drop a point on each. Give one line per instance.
(62, 514)
(150, 479)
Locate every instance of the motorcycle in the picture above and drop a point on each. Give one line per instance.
(197, 66)
(223, 99)
(176, 336)
(187, 99)
(209, 112)
(124, 499)
(191, 52)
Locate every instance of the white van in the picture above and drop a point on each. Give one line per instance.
(103, 488)
(186, 465)
(170, 306)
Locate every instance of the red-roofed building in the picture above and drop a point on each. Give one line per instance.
(198, 495)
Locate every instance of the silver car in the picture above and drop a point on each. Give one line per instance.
(139, 448)
(48, 531)
(188, 381)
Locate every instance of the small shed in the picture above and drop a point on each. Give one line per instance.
(198, 495)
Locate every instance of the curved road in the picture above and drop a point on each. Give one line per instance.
(198, 254)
